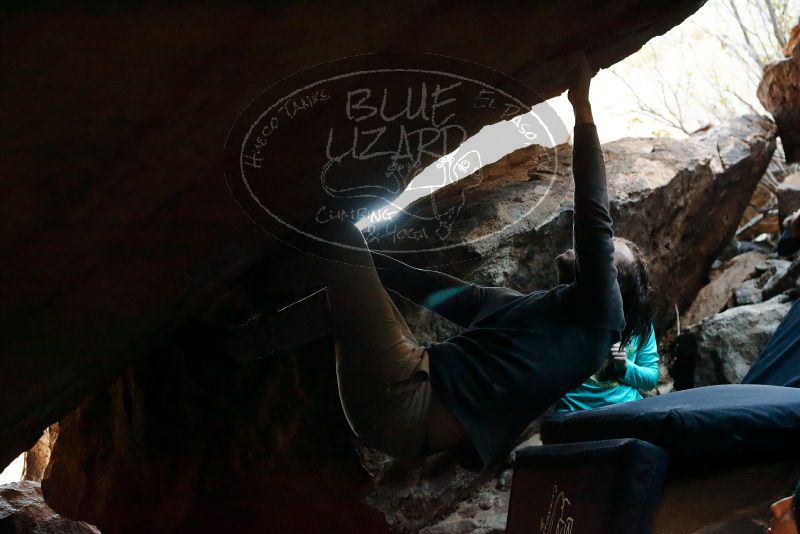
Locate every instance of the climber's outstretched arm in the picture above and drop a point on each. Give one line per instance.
(596, 275)
(454, 299)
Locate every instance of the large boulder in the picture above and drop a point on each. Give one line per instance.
(23, 511)
(680, 200)
(117, 223)
(779, 92)
(722, 348)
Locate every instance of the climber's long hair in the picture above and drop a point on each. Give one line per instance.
(637, 296)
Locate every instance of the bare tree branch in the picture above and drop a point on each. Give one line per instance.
(666, 118)
(745, 32)
(750, 32)
(777, 30)
(738, 97)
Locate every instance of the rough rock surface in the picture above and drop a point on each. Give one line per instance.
(788, 196)
(23, 511)
(187, 440)
(723, 347)
(771, 277)
(680, 200)
(779, 92)
(117, 220)
(484, 513)
(716, 295)
(760, 218)
(412, 495)
(761, 213)
(762, 224)
(783, 278)
(38, 457)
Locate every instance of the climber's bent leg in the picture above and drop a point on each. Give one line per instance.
(383, 373)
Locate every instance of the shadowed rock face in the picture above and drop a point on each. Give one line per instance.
(188, 441)
(117, 224)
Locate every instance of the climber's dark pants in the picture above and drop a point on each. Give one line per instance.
(383, 373)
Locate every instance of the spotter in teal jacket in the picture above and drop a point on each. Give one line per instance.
(641, 374)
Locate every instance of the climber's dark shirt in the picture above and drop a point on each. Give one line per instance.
(522, 352)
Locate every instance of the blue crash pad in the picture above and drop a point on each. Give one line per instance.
(732, 420)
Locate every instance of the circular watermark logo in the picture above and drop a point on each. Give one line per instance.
(386, 142)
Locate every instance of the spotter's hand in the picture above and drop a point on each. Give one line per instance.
(620, 357)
